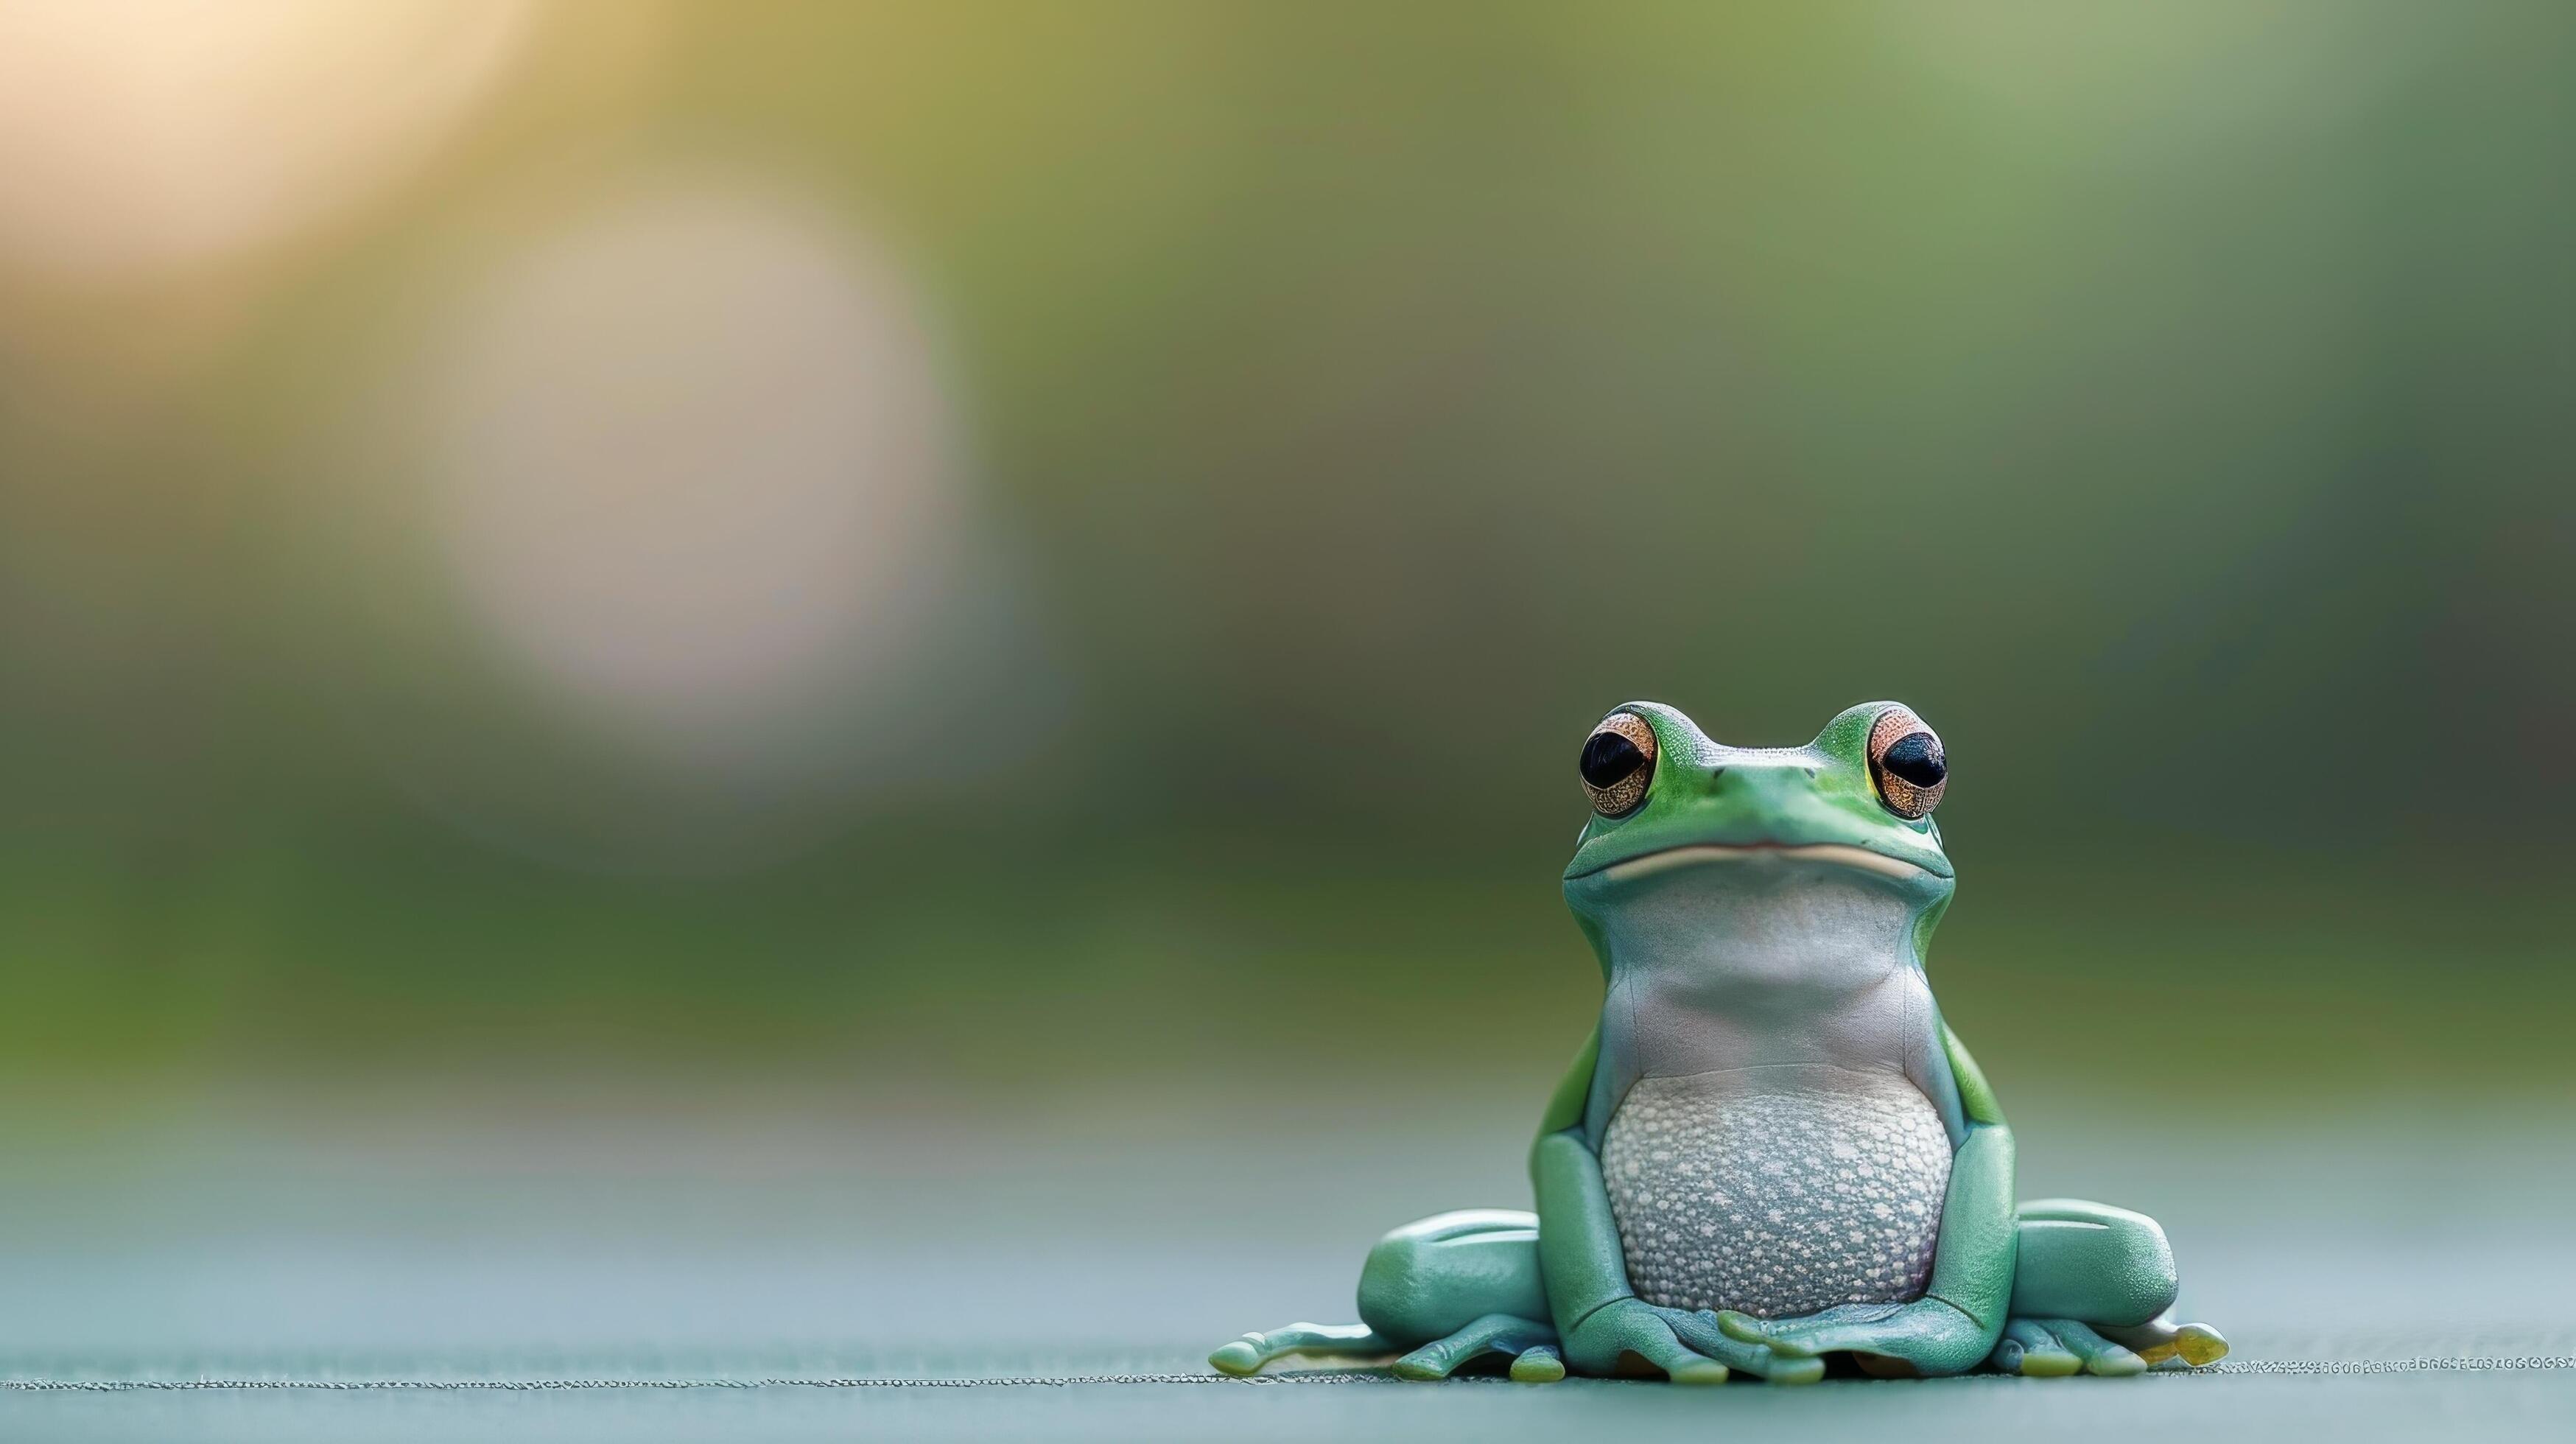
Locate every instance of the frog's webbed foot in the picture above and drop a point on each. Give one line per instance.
(1531, 1346)
(2055, 1348)
(1896, 1339)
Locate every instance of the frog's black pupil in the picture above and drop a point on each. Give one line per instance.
(1916, 757)
(1609, 757)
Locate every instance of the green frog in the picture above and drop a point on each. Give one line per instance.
(1772, 1149)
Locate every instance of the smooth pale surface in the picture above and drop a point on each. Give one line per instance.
(766, 1237)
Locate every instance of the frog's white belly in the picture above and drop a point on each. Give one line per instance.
(1776, 1203)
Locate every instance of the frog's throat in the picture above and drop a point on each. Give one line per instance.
(1819, 926)
(1694, 854)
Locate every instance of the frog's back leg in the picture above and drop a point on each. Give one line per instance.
(2093, 1287)
(1433, 1277)
(1441, 1291)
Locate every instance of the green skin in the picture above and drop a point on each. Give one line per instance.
(2045, 1289)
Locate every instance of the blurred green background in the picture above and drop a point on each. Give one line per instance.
(983, 548)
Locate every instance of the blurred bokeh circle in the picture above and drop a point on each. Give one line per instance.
(688, 487)
(692, 468)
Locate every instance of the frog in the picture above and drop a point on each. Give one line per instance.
(1772, 1152)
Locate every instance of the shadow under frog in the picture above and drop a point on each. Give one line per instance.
(1772, 1148)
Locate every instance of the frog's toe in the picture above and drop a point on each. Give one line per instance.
(2029, 1350)
(2048, 1364)
(1240, 1358)
(1708, 1333)
(2056, 1348)
(1783, 1370)
(1246, 1355)
(2165, 1344)
(1538, 1364)
(1505, 1334)
(2199, 1345)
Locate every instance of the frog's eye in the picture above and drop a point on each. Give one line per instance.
(1618, 761)
(1905, 763)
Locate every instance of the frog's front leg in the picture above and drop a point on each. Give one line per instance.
(1602, 1321)
(1443, 1291)
(2092, 1291)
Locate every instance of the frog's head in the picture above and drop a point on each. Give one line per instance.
(1681, 821)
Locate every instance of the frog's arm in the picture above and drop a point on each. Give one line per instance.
(1599, 1319)
(1972, 1267)
(1579, 1255)
(1960, 1316)
(1578, 1239)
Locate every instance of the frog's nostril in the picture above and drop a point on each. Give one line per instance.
(1811, 773)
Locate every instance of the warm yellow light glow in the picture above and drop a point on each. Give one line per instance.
(139, 136)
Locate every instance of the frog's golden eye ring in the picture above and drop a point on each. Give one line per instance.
(1618, 762)
(1906, 764)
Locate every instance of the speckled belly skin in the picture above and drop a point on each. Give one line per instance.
(1776, 1203)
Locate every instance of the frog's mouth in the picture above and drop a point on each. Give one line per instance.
(1693, 854)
